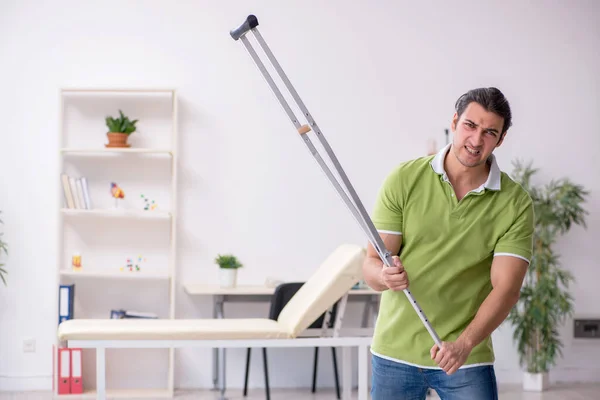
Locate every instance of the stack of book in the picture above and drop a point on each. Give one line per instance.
(120, 314)
(76, 192)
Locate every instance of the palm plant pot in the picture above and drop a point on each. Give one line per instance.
(117, 139)
(535, 382)
(228, 277)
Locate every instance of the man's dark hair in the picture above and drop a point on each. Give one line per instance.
(491, 99)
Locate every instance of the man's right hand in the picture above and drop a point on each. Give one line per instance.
(394, 277)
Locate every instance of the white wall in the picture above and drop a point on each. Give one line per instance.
(381, 80)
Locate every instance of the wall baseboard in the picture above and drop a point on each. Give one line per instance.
(575, 375)
(559, 375)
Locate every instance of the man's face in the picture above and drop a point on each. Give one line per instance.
(476, 134)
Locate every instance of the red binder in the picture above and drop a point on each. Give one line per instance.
(54, 377)
(64, 371)
(76, 375)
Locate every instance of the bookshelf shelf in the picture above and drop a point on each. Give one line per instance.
(116, 213)
(116, 90)
(104, 230)
(116, 275)
(107, 150)
(121, 394)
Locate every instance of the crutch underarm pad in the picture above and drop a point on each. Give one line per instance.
(250, 22)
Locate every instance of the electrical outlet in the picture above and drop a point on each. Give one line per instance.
(29, 345)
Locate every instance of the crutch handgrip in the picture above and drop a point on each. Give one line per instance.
(304, 129)
(250, 22)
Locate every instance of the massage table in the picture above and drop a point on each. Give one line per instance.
(329, 283)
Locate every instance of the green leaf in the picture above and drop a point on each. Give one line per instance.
(122, 124)
(228, 261)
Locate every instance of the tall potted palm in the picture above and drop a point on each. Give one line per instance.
(545, 301)
(3, 249)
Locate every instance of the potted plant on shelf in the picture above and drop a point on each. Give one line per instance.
(228, 266)
(3, 249)
(119, 130)
(545, 300)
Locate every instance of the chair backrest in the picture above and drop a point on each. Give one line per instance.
(335, 277)
(283, 294)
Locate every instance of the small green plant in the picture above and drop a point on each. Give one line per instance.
(228, 261)
(121, 124)
(545, 299)
(3, 249)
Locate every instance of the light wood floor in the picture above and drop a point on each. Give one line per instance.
(557, 392)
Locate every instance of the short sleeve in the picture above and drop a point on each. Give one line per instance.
(518, 239)
(387, 212)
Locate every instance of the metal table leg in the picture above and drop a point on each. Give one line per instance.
(375, 308)
(215, 351)
(221, 352)
(365, 314)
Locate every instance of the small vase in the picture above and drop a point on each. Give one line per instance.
(117, 139)
(228, 277)
(535, 382)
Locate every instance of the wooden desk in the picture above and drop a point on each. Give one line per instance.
(203, 289)
(261, 293)
(253, 290)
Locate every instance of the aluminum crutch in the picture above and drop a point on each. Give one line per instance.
(354, 204)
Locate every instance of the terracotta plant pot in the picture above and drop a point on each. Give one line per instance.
(116, 139)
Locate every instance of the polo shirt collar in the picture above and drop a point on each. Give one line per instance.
(494, 177)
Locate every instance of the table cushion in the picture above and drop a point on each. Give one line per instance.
(338, 273)
(176, 329)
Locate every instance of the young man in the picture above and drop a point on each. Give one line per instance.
(461, 232)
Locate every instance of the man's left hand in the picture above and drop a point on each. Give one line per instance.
(451, 356)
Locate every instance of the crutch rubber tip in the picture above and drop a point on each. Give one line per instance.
(304, 129)
(250, 23)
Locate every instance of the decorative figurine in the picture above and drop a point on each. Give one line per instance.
(137, 266)
(76, 262)
(117, 193)
(148, 205)
(131, 266)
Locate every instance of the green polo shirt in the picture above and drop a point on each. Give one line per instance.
(447, 250)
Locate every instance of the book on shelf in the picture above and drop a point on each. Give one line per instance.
(120, 314)
(66, 300)
(76, 192)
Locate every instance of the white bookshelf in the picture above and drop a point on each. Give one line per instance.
(113, 236)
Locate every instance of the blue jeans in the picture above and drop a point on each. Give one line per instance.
(396, 381)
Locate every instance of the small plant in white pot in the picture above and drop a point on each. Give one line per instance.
(545, 300)
(228, 266)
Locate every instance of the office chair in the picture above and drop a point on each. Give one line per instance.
(282, 295)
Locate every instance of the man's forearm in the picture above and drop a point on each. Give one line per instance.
(372, 273)
(492, 312)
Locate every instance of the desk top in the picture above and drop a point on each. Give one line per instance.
(206, 289)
